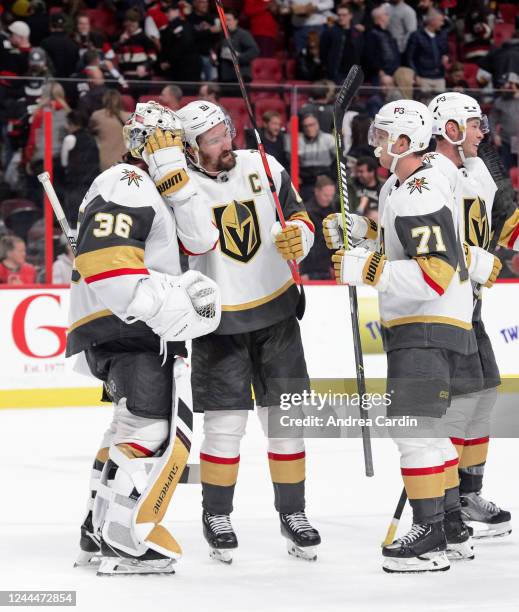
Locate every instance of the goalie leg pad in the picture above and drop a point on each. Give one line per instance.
(135, 492)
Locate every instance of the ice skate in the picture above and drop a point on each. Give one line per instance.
(90, 553)
(220, 536)
(459, 542)
(422, 549)
(301, 537)
(113, 562)
(487, 519)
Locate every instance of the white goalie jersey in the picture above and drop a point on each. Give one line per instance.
(256, 283)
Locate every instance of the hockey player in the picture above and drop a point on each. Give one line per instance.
(459, 127)
(425, 307)
(258, 341)
(129, 303)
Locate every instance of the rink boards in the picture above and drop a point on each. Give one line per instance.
(35, 371)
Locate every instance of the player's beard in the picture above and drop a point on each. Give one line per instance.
(226, 161)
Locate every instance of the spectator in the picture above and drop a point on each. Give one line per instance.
(156, 20)
(402, 23)
(171, 96)
(62, 50)
(87, 40)
(477, 38)
(361, 14)
(359, 137)
(53, 98)
(105, 125)
(317, 264)
(263, 24)
(320, 104)
(388, 92)
(381, 54)
(14, 53)
(341, 46)
(38, 71)
(455, 78)
(503, 121)
(503, 60)
(273, 137)
(206, 27)
(62, 266)
(135, 51)
(308, 16)
(179, 56)
(92, 100)
(80, 161)
(427, 53)
(308, 61)
(14, 270)
(316, 154)
(210, 91)
(244, 45)
(364, 188)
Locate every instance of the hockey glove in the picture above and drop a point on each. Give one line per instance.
(177, 308)
(294, 241)
(167, 166)
(361, 228)
(483, 267)
(361, 267)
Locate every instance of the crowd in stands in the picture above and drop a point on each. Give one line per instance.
(90, 62)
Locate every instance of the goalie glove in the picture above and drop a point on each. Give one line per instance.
(483, 267)
(361, 267)
(361, 228)
(167, 166)
(294, 241)
(177, 308)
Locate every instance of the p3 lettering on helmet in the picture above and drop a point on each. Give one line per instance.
(458, 107)
(401, 118)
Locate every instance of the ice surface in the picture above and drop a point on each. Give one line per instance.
(45, 461)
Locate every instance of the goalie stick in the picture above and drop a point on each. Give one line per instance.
(343, 100)
(191, 472)
(504, 198)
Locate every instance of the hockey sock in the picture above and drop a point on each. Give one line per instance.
(288, 478)
(220, 458)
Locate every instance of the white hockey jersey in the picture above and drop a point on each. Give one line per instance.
(256, 283)
(125, 230)
(475, 192)
(428, 302)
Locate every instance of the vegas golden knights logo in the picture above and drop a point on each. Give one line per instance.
(477, 229)
(239, 230)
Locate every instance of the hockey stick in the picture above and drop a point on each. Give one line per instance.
(505, 198)
(47, 185)
(221, 15)
(346, 94)
(191, 473)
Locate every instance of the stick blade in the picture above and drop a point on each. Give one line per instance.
(348, 89)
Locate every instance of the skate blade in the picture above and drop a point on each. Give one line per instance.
(483, 531)
(118, 566)
(463, 551)
(307, 554)
(88, 559)
(223, 555)
(431, 562)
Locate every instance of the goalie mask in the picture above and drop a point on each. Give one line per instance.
(401, 118)
(197, 118)
(142, 123)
